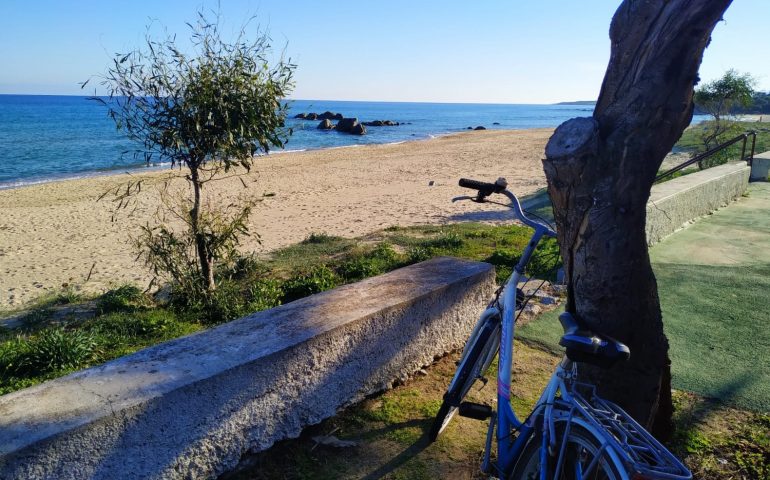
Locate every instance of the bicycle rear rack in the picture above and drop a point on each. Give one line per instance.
(642, 453)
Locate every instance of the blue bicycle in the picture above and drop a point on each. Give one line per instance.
(571, 433)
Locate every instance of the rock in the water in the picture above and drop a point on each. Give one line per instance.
(326, 124)
(480, 128)
(311, 116)
(327, 115)
(358, 129)
(495, 123)
(381, 123)
(300, 116)
(470, 128)
(348, 124)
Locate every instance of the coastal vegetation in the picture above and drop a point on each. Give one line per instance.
(67, 333)
(209, 113)
(719, 99)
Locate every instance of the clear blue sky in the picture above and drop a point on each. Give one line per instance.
(487, 51)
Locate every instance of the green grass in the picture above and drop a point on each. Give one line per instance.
(127, 320)
(719, 336)
(715, 318)
(390, 431)
(691, 139)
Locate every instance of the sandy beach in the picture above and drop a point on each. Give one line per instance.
(57, 233)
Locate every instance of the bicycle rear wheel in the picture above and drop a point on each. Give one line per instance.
(579, 456)
(479, 353)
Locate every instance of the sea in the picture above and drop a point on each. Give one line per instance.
(48, 137)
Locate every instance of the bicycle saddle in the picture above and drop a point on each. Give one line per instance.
(586, 346)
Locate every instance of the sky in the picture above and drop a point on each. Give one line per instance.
(483, 51)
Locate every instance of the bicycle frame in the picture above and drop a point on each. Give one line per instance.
(621, 440)
(507, 420)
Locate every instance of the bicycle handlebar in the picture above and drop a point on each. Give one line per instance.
(485, 189)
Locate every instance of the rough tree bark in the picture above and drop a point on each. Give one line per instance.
(600, 170)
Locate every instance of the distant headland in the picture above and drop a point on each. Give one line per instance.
(578, 102)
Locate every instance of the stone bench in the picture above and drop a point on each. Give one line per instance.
(674, 203)
(191, 407)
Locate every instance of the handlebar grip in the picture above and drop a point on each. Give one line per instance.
(483, 187)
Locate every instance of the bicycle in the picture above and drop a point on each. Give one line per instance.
(571, 433)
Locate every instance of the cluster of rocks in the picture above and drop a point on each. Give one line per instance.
(381, 123)
(323, 116)
(477, 128)
(345, 125)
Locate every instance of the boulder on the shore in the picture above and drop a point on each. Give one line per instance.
(325, 124)
(348, 125)
(301, 116)
(480, 128)
(469, 128)
(311, 116)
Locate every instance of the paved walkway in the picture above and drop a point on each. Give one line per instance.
(714, 285)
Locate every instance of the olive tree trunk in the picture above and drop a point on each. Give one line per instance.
(202, 248)
(600, 170)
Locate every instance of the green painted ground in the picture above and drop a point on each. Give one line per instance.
(714, 285)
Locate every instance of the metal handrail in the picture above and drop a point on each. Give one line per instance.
(700, 157)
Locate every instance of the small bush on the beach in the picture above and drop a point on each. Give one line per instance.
(264, 294)
(37, 316)
(446, 240)
(12, 352)
(379, 260)
(418, 254)
(68, 295)
(56, 349)
(130, 325)
(316, 238)
(225, 303)
(123, 298)
(316, 279)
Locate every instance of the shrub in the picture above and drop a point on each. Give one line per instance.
(317, 238)
(379, 260)
(385, 252)
(316, 279)
(56, 349)
(265, 293)
(418, 254)
(445, 240)
(124, 298)
(142, 325)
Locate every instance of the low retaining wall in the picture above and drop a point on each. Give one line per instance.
(678, 201)
(760, 167)
(191, 407)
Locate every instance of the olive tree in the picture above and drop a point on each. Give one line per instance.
(600, 170)
(207, 111)
(719, 98)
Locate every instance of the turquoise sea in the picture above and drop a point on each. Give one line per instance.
(47, 137)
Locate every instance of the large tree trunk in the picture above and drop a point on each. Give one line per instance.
(600, 171)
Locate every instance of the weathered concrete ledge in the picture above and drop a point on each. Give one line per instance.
(678, 201)
(191, 407)
(760, 167)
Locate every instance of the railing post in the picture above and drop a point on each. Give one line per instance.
(743, 148)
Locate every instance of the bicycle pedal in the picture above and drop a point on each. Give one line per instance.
(476, 411)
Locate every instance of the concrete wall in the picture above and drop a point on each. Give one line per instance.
(191, 407)
(678, 201)
(760, 167)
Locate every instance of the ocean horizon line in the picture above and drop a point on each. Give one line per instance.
(418, 102)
